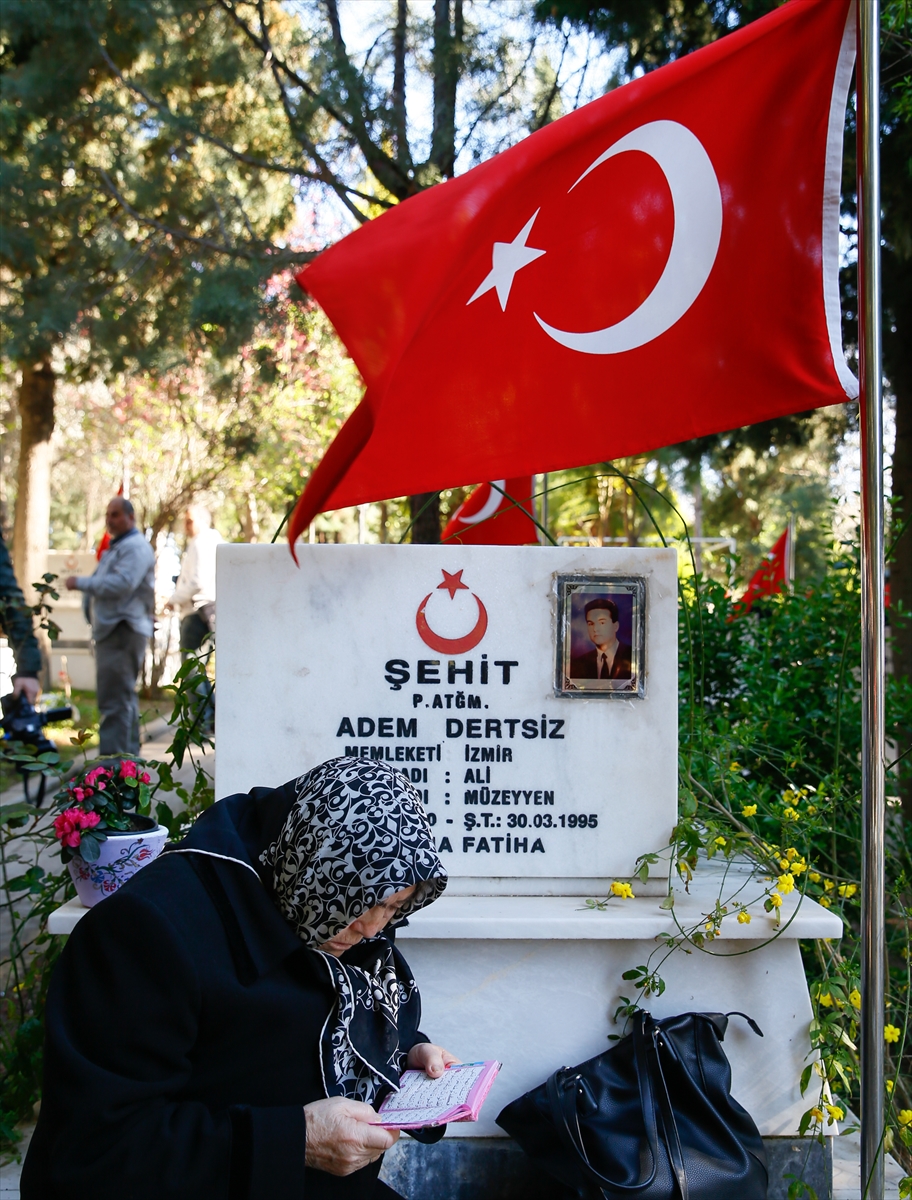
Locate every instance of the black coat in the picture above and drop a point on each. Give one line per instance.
(585, 666)
(183, 1022)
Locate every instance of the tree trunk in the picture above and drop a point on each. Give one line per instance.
(400, 129)
(251, 519)
(447, 55)
(425, 513)
(33, 500)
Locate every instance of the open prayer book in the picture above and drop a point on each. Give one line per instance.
(456, 1096)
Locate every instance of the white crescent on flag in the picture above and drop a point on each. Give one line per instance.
(697, 203)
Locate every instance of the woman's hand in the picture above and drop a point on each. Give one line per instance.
(343, 1135)
(431, 1059)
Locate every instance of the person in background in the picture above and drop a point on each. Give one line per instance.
(121, 597)
(16, 625)
(194, 592)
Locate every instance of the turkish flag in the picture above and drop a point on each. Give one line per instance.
(656, 266)
(770, 577)
(495, 514)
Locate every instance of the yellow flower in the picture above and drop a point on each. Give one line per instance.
(824, 902)
(749, 810)
(791, 854)
(888, 1084)
(817, 1113)
(735, 767)
(847, 889)
(836, 1113)
(624, 890)
(786, 884)
(790, 814)
(891, 1033)
(744, 917)
(783, 864)
(825, 999)
(720, 841)
(855, 998)
(828, 884)
(814, 876)
(798, 866)
(904, 1116)
(811, 810)
(775, 899)
(788, 796)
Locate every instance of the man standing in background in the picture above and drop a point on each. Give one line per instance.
(16, 624)
(121, 596)
(194, 592)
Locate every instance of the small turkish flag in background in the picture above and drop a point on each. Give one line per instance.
(495, 514)
(656, 266)
(771, 576)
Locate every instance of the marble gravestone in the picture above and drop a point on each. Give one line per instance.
(455, 664)
(471, 669)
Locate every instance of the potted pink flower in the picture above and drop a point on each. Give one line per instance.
(103, 826)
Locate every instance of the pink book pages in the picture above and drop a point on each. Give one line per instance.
(456, 1096)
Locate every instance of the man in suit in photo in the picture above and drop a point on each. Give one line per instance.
(610, 658)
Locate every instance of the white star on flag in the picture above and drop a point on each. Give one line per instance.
(508, 258)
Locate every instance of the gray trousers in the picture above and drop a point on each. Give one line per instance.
(118, 662)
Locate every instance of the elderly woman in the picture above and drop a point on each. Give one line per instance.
(224, 1026)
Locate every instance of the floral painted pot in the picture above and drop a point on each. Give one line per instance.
(121, 856)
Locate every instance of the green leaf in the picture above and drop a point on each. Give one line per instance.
(668, 902)
(12, 812)
(89, 847)
(19, 884)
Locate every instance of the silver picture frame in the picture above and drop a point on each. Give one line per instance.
(600, 639)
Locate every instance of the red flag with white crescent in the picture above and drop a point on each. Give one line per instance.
(495, 514)
(656, 266)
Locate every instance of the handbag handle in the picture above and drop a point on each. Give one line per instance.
(566, 1119)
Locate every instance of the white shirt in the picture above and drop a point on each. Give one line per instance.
(196, 583)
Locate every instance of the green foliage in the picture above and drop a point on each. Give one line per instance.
(654, 32)
(770, 778)
(30, 891)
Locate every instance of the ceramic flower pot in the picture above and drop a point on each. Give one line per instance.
(121, 856)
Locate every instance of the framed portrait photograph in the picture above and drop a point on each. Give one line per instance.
(601, 636)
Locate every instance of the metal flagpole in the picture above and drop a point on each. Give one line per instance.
(790, 552)
(872, 601)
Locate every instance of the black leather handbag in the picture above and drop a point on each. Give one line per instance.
(652, 1118)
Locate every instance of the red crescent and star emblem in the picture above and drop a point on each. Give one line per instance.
(452, 583)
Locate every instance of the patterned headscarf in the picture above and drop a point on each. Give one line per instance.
(357, 834)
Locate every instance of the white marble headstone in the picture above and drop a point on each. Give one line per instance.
(443, 661)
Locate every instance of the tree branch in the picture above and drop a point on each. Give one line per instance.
(495, 100)
(327, 175)
(399, 122)
(192, 130)
(267, 253)
(388, 171)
